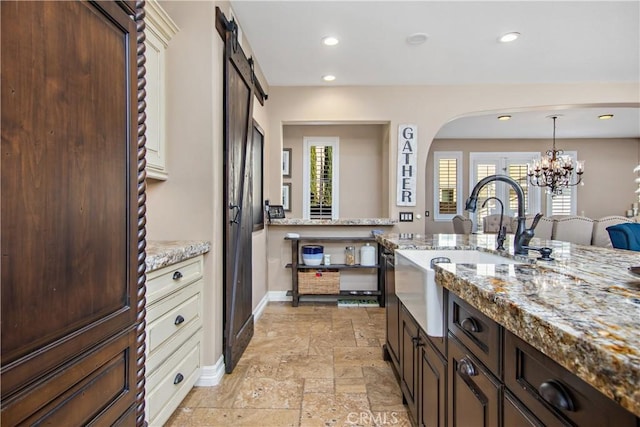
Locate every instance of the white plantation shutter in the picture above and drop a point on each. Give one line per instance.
(447, 184)
(320, 181)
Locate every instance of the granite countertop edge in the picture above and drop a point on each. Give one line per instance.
(162, 253)
(341, 221)
(579, 344)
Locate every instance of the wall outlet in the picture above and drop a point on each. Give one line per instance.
(406, 216)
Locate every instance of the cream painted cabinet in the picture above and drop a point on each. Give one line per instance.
(159, 30)
(174, 336)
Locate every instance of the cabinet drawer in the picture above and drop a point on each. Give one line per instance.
(171, 382)
(182, 310)
(555, 395)
(164, 281)
(481, 335)
(474, 393)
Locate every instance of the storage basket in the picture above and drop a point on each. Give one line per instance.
(320, 282)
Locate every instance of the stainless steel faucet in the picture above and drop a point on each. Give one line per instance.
(522, 237)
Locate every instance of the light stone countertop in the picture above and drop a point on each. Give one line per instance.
(161, 253)
(582, 309)
(342, 221)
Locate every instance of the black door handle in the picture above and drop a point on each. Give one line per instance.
(470, 324)
(466, 368)
(177, 275)
(235, 217)
(556, 395)
(178, 320)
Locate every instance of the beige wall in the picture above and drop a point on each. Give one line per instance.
(609, 178)
(361, 178)
(189, 204)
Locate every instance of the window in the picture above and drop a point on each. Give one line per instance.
(447, 197)
(513, 165)
(565, 203)
(320, 179)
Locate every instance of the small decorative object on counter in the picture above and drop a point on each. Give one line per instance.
(312, 254)
(350, 255)
(327, 259)
(367, 255)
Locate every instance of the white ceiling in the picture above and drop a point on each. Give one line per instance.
(561, 42)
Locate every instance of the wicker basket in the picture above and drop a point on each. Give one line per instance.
(319, 282)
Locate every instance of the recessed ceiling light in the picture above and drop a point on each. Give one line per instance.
(329, 78)
(605, 116)
(330, 41)
(509, 37)
(504, 117)
(417, 38)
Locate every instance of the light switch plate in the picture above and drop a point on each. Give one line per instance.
(406, 216)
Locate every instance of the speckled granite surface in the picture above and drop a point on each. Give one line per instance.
(167, 252)
(343, 221)
(582, 309)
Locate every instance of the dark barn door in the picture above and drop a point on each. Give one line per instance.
(238, 119)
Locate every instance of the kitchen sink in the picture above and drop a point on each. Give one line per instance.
(416, 286)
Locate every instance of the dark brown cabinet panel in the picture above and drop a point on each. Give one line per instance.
(474, 395)
(392, 308)
(432, 408)
(516, 415)
(553, 394)
(409, 361)
(71, 212)
(477, 332)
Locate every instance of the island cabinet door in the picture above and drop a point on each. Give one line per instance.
(409, 359)
(432, 386)
(555, 395)
(474, 394)
(392, 310)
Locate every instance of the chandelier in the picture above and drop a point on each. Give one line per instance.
(556, 170)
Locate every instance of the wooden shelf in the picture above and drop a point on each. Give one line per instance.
(332, 266)
(295, 266)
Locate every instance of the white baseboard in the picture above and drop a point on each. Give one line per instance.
(278, 296)
(211, 375)
(261, 306)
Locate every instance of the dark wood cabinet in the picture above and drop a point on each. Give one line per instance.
(432, 407)
(392, 310)
(72, 213)
(516, 414)
(474, 395)
(409, 361)
(556, 396)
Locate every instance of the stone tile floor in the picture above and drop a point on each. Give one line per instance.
(312, 365)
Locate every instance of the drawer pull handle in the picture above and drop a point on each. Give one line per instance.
(178, 320)
(466, 368)
(470, 324)
(178, 379)
(177, 275)
(555, 394)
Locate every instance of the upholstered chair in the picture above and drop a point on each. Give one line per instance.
(573, 228)
(544, 229)
(600, 235)
(491, 223)
(625, 236)
(462, 225)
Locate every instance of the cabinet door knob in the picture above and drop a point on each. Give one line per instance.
(470, 324)
(417, 342)
(555, 394)
(178, 379)
(466, 368)
(177, 275)
(178, 320)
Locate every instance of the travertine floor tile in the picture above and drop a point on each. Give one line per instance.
(313, 365)
(268, 393)
(246, 417)
(320, 409)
